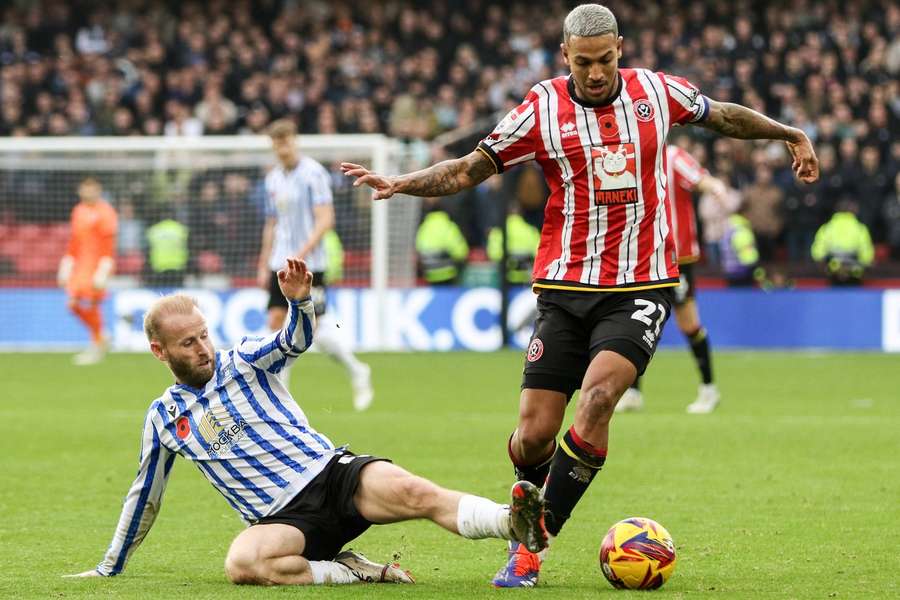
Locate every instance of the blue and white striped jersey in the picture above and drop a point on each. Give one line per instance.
(243, 430)
(290, 198)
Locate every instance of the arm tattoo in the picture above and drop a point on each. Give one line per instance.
(447, 177)
(736, 121)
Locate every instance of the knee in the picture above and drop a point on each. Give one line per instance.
(534, 436)
(418, 495)
(599, 400)
(241, 567)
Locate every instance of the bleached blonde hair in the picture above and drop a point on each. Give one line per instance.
(164, 306)
(589, 20)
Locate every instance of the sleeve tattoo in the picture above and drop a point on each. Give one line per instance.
(736, 121)
(448, 177)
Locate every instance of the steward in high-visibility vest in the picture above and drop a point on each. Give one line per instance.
(168, 252)
(740, 257)
(441, 248)
(334, 257)
(522, 240)
(844, 245)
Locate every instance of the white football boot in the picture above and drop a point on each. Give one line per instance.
(92, 355)
(369, 572)
(707, 399)
(631, 400)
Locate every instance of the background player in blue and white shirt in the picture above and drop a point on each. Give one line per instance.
(230, 415)
(299, 213)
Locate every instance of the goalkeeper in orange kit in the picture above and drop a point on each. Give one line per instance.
(89, 261)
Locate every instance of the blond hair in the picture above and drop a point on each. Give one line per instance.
(171, 304)
(281, 128)
(589, 20)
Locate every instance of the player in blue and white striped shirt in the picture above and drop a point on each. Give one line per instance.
(299, 212)
(230, 415)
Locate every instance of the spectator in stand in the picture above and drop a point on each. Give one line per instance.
(763, 210)
(131, 229)
(180, 122)
(891, 211)
(739, 255)
(871, 185)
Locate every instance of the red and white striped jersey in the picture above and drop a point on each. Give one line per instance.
(683, 174)
(606, 224)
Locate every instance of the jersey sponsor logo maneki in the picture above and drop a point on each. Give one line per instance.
(615, 174)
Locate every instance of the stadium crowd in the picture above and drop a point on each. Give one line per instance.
(416, 69)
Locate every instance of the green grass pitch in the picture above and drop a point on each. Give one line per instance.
(790, 490)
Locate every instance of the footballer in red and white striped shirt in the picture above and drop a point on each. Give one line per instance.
(607, 258)
(606, 224)
(685, 175)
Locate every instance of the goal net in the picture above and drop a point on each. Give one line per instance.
(213, 187)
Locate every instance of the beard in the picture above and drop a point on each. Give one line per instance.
(191, 374)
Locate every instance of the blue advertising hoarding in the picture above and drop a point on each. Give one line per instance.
(437, 319)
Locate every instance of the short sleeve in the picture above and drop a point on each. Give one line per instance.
(270, 209)
(513, 140)
(320, 186)
(686, 103)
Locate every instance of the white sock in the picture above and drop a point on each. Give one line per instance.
(333, 342)
(478, 518)
(329, 572)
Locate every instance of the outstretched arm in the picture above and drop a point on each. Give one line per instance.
(141, 504)
(442, 179)
(277, 349)
(734, 120)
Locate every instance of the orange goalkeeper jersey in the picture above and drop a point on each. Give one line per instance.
(94, 228)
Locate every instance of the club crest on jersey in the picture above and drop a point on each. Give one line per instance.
(504, 124)
(535, 350)
(615, 174)
(643, 110)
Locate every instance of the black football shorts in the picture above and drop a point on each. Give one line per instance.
(572, 327)
(324, 510)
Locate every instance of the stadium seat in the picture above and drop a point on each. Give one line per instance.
(130, 263)
(37, 264)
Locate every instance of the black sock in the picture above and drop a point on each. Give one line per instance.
(700, 347)
(537, 473)
(574, 465)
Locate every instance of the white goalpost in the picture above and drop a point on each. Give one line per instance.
(212, 185)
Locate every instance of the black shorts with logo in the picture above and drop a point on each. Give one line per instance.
(324, 510)
(317, 292)
(572, 327)
(686, 285)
